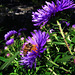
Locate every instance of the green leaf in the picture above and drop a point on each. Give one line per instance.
(3, 59)
(2, 29)
(64, 59)
(57, 58)
(9, 61)
(68, 41)
(71, 45)
(1, 73)
(72, 32)
(73, 39)
(59, 43)
(1, 5)
(62, 19)
(54, 24)
(47, 73)
(37, 69)
(1, 41)
(14, 74)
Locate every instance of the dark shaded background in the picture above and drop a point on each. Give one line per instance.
(10, 21)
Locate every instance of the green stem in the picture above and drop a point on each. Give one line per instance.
(57, 48)
(61, 31)
(52, 71)
(9, 51)
(13, 48)
(57, 65)
(45, 29)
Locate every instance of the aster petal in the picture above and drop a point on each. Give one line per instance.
(9, 34)
(41, 51)
(42, 15)
(9, 42)
(64, 4)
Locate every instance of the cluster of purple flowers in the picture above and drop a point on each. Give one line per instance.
(42, 16)
(38, 40)
(10, 34)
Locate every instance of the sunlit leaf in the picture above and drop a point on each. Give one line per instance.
(68, 41)
(37, 69)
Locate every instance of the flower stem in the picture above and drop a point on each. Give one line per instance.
(52, 71)
(9, 51)
(13, 48)
(61, 31)
(57, 65)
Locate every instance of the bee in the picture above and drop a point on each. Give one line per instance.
(27, 48)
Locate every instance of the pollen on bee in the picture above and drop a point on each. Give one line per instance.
(34, 48)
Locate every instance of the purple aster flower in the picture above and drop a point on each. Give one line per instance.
(9, 42)
(64, 4)
(43, 15)
(22, 29)
(67, 23)
(9, 34)
(73, 26)
(36, 43)
(19, 34)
